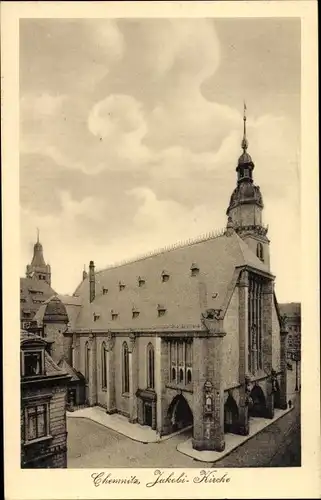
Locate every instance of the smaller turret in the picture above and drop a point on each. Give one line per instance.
(38, 268)
(84, 273)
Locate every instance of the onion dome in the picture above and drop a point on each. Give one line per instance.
(55, 312)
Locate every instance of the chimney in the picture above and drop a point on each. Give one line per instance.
(91, 281)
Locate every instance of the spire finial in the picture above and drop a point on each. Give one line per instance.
(244, 140)
(37, 234)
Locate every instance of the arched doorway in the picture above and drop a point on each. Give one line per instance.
(257, 407)
(231, 415)
(179, 413)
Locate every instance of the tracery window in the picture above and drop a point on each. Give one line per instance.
(150, 367)
(87, 361)
(180, 361)
(125, 368)
(104, 366)
(255, 323)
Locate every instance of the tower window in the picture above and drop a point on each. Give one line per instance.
(135, 314)
(105, 290)
(189, 376)
(121, 286)
(259, 251)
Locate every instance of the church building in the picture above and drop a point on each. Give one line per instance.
(188, 336)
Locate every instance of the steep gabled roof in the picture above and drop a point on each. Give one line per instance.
(33, 293)
(183, 296)
(74, 374)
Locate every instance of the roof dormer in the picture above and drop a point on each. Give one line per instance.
(165, 276)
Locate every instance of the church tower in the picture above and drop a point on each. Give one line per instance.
(246, 205)
(38, 268)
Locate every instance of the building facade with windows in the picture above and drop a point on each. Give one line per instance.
(188, 336)
(292, 311)
(43, 406)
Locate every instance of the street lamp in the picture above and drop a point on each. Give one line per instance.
(296, 358)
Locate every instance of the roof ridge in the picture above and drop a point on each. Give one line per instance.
(168, 248)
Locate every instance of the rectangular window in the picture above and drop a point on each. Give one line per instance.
(32, 363)
(36, 422)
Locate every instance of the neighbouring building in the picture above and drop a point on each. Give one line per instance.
(55, 317)
(189, 335)
(35, 288)
(43, 406)
(292, 311)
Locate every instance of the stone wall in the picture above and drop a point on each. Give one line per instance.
(230, 345)
(276, 341)
(54, 333)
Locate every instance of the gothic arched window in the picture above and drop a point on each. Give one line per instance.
(104, 366)
(87, 361)
(259, 251)
(150, 367)
(125, 368)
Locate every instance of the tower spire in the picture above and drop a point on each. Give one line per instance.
(244, 140)
(37, 234)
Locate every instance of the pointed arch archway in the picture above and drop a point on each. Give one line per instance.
(179, 413)
(257, 407)
(231, 415)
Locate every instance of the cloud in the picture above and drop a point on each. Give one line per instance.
(41, 105)
(67, 55)
(124, 148)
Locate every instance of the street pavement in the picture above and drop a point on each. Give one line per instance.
(90, 445)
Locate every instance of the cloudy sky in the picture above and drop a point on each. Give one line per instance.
(131, 130)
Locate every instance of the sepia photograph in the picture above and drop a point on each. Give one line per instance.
(160, 179)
